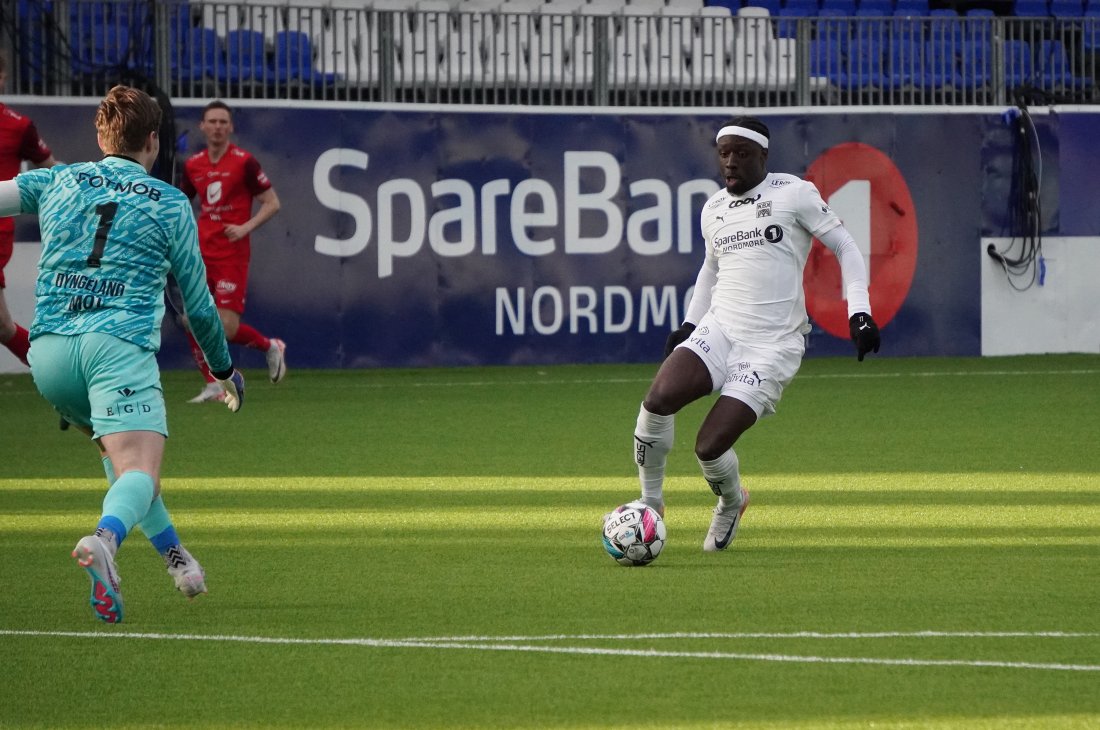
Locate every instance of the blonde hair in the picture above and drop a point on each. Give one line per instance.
(125, 118)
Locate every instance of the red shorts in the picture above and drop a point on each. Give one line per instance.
(7, 240)
(228, 282)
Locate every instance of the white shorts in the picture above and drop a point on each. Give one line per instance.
(754, 374)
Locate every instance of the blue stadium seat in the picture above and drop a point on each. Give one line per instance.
(945, 26)
(835, 25)
(246, 57)
(975, 63)
(197, 54)
(872, 27)
(1067, 8)
(826, 59)
(1029, 8)
(865, 61)
(940, 68)
(876, 7)
(293, 59)
(1019, 67)
(846, 7)
(1056, 70)
(785, 25)
(911, 7)
(804, 8)
(903, 62)
(102, 48)
(1090, 30)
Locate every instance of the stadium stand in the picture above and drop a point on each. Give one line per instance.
(634, 52)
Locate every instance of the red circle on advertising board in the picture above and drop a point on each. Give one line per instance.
(893, 225)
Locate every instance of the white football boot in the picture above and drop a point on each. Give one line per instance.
(723, 527)
(189, 576)
(276, 360)
(91, 553)
(211, 393)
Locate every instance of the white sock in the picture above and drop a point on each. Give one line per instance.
(724, 478)
(652, 442)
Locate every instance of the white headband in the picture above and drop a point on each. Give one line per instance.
(742, 132)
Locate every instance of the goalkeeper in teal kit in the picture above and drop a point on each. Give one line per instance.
(111, 233)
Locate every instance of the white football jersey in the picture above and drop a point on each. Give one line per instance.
(756, 249)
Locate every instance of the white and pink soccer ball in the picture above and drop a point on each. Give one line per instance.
(633, 534)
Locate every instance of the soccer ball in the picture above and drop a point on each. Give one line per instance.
(633, 534)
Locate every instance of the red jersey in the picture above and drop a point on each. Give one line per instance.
(19, 141)
(225, 189)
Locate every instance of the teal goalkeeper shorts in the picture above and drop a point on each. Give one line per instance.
(99, 382)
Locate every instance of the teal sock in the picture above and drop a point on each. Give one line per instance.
(127, 502)
(157, 526)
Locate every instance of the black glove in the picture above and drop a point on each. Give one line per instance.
(677, 336)
(864, 334)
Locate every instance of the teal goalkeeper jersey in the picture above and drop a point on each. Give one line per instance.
(111, 233)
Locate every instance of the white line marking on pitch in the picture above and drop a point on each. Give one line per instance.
(782, 635)
(487, 643)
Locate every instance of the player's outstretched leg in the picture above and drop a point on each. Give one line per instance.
(276, 360)
(93, 554)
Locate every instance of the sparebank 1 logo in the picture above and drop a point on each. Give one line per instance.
(869, 194)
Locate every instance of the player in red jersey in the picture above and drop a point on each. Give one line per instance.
(226, 180)
(19, 141)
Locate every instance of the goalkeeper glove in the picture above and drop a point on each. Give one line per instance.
(864, 333)
(677, 336)
(234, 390)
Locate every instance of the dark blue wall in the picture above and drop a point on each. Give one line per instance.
(446, 294)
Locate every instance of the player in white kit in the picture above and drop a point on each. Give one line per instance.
(744, 331)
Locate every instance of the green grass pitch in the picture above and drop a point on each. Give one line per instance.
(420, 549)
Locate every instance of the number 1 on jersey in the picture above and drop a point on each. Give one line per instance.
(106, 213)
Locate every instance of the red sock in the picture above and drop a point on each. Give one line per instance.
(19, 344)
(250, 337)
(200, 359)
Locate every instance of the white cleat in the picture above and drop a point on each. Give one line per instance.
(212, 393)
(276, 360)
(189, 576)
(723, 527)
(91, 553)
